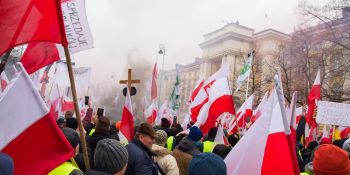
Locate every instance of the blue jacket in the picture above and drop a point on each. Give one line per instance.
(140, 160)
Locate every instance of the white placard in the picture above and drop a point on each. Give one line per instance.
(331, 113)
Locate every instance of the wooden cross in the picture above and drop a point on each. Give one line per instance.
(129, 81)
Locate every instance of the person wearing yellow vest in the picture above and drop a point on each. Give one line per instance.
(209, 144)
(170, 143)
(69, 168)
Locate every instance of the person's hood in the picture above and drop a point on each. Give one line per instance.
(188, 146)
(159, 151)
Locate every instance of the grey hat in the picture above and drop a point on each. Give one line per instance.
(72, 136)
(110, 156)
(161, 137)
(346, 146)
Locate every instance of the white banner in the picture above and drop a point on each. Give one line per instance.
(76, 24)
(81, 75)
(331, 113)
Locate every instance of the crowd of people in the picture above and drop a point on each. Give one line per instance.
(169, 150)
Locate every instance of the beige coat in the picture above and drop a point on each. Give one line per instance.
(165, 160)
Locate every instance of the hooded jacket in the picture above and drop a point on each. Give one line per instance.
(165, 160)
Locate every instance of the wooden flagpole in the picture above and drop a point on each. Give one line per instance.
(76, 107)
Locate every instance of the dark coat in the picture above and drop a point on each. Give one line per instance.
(188, 146)
(140, 160)
(96, 136)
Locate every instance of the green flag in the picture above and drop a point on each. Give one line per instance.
(175, 94)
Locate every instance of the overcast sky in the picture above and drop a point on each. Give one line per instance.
(134, 29)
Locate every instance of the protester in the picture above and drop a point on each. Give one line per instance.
(208, 144)
(61, 122)
(222, 150)
(233, 139)
(187, 148)
(68, 114)
(329, 159)
(110, 158)
(6, 164)
(165, 126)
(163, 158)
(306, 153)
(207, 164)
(68, 167)
(72, 123)
(140, 160)
(101, 132)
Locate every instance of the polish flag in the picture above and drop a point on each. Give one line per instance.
(314, 95)
(264, 149)
(258, 110)
(200, 95)
(345, 132)
(55, 101)
(67, 104)
(220, 137)
(298, 114)
(220, 101)
(127, 125)
(151, 113)
(4, 81)
(244, 111)
(28, 133)
(154, 82)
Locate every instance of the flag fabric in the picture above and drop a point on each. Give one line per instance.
(154, 90)
(264, 148)
(298, 114)
(175, 94)
(76, 26)
(220, 137)
(258, 110)
(241, 115)
(345, 132)
(186, 121)
(201, 97)
(67, 104)
(151, 113)
(314, 95)
(220, 101)
(292, 112)
(4, 81)
(28, 133)
(245, 71)
(81, 75)
(54, 101)
(127, 125)
(24, 21)
(38, 55)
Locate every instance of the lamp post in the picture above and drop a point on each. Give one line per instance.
(161, 52)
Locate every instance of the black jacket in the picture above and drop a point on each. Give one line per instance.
(95, 172)
(92, 140)
(140, 160)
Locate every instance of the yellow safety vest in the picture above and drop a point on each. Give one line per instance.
(64, 169)
(208, 146)
(169, 143)
(92, 131)
(304, 173)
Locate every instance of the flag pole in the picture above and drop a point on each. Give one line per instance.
(76, 107)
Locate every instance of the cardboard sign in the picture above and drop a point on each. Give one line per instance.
(331, 113)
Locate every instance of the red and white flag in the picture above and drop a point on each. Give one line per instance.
(220, 101)
(28, 133)
(314, 95)
(298, 114)
(151, 113)
(4, 81)
(127, 125)
(24, 21)
(54, 101)
(220, 137)
(244, 111)
(154, 90)
(38, 55)
(270, 153)
(200, 95)
(67, 104)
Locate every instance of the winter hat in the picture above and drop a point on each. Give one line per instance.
(212, 132)
(207, 164)
(346, 146)
(110, 156)
(146, 129)
(72, 136)
(195, 133)
(329, 159)
(72, 123)
(118, 124)
(60, 121)
(325, 140)
(161, 137)
(103, 125)
(6, 164)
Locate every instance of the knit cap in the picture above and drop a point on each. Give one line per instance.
(207, 164)
(72, 136)
(110, 156)
(161, 137)
(195, 133)
(329, 159)
(6, 164)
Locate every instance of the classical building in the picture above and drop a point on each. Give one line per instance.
(227, 45)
